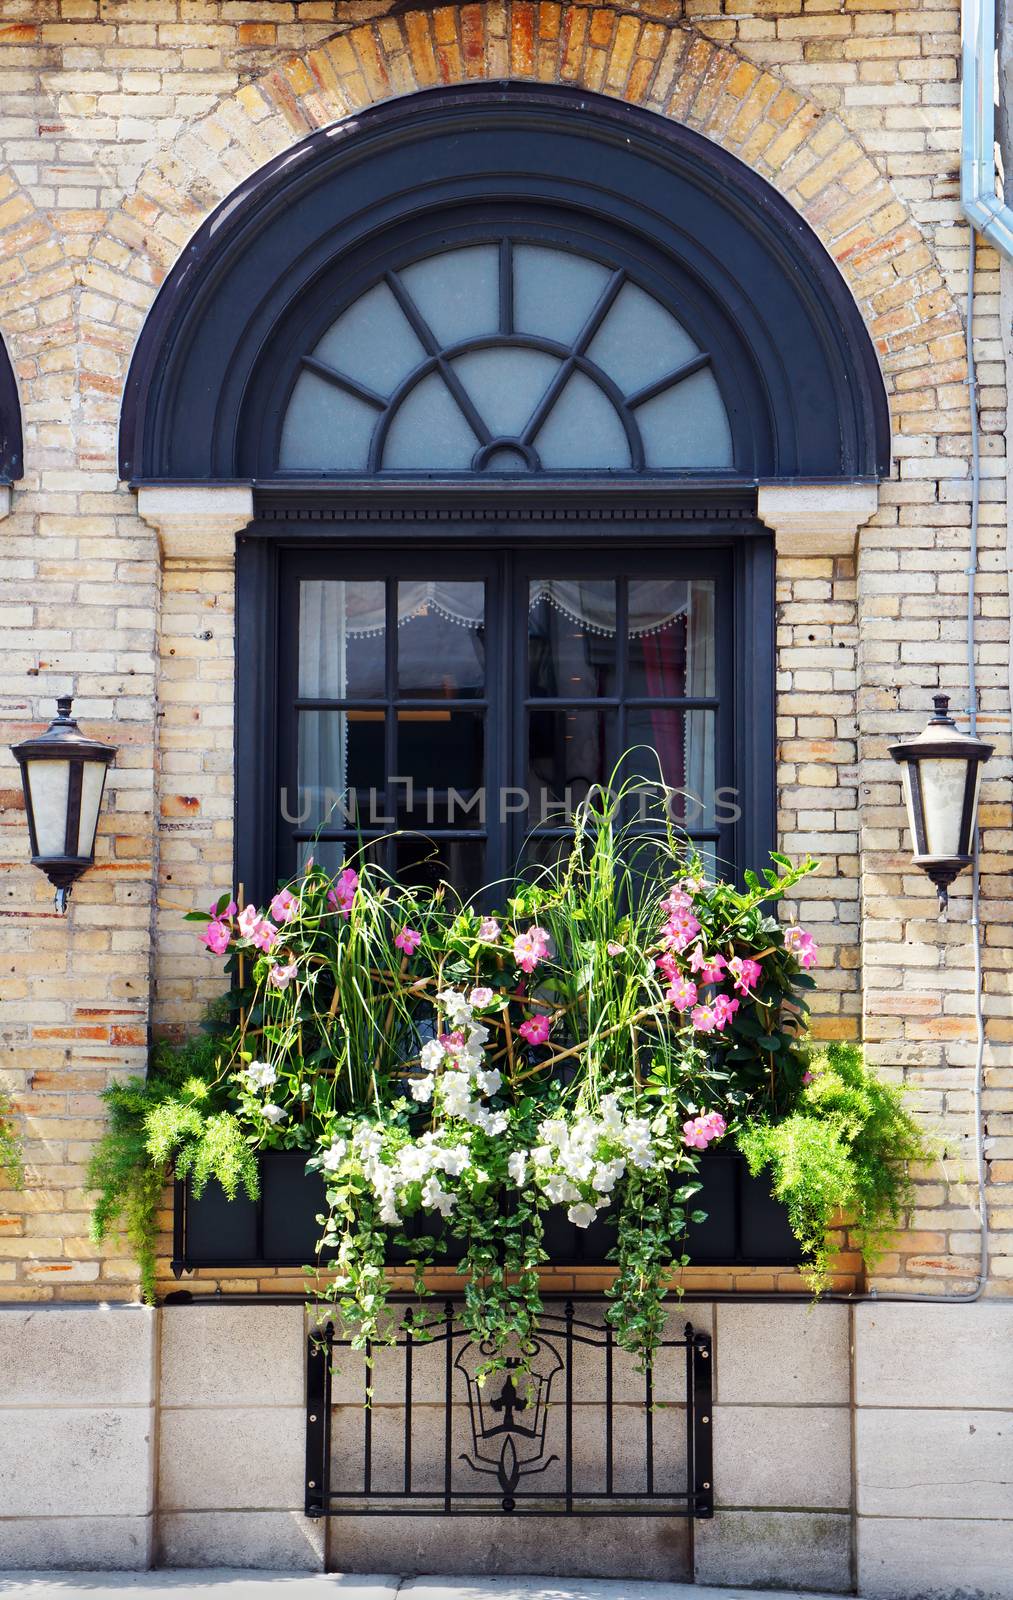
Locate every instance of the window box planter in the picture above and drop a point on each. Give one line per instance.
(745, 1225)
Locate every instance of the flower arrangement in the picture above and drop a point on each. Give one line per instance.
(456, 1074)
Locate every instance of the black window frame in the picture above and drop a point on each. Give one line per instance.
(279, 542)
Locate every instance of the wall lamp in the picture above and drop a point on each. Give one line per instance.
(942, 778)
(63, 774)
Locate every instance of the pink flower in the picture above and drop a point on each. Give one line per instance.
(216, 936)
(704, 1019)
(248, 919)
(709, 968)
(802, 946)
(264, 935)
(666, 965)
(614, 948)
(680, 930)
(724, 1010)
(228, 911)
(536, 1030)
(284, 906)
(807, 1077)
(488, 930)
(341, 896)
(676, 900)
(682, 994)
(452, 1041)
(530, 948)
(745, 971)
(480, 996)
(699, 1131)
(408, 940)
(280, 977)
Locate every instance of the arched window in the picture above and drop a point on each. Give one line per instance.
(505, 355)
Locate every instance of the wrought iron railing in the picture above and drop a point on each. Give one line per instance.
(538, 1438)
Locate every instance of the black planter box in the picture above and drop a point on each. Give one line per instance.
(745, 1225)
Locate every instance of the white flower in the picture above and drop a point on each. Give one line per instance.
(480, 996)
(333, 1157)
(541, 1156)
(437, 1198)
(456, 1095)
(260, 1075)
(422, 1088)
(517, 1167)
(490, 1081)
(553, 1132)
(273, 1114)
(496, 1122)
(431, 1055)
(605, 1174)
(582, 1215)
(610, 1113)
(456, 1007)
(452, 1160)
(478, 1035)
(413, 1163)
(368, 1141)
(560, 1189)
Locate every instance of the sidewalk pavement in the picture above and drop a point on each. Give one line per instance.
(222, 1583)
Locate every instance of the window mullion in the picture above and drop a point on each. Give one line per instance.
(390, 742)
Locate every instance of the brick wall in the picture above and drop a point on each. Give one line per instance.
(123, 123)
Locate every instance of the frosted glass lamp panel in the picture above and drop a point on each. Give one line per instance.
(457, 292)
(583, 429)
(943, 782)
(93, 777)
(686, 425)
(554, 291)
(49, 782)
(372, 342)
(429, 431)
(325, 428)
(341, 640)
(506, 385)
(639, 341)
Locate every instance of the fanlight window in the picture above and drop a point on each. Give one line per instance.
(505, 357)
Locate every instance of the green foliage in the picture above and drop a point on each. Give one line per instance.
(11, 1163)
(845, 1147)
(176, 1113)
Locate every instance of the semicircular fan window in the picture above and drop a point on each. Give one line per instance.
(505, 357)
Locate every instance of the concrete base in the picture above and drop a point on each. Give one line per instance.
(919, 1509)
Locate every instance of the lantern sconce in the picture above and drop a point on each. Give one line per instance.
(63, 774)
(942, 778)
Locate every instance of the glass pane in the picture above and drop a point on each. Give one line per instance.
(686, 426)
(341, 758)
(583, 429)
(372, 342)
(507, 460)
(671, 626)
(457, 292)
(326, 428)
(429, 430)
(571, 638)
(440, 769)
(555, 291)
(681, 745)
(506, 385)
(426, 861)
(567, 750)
(542, 850)
(441, 639)
(639, 341)
(341, 640)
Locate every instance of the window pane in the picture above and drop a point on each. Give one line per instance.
(441, 639)
(341, 757)
(684, 744)
(583, 429)
(457, 292)
(443, 753)
(571, 638)
(567, 750)
(372, 342)
(686, 426)
(671, 627)
(423, 862)
(506, 385)
(639, 341)
(326, 428)
(555, 291)
(341, 640)
(429, 430)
